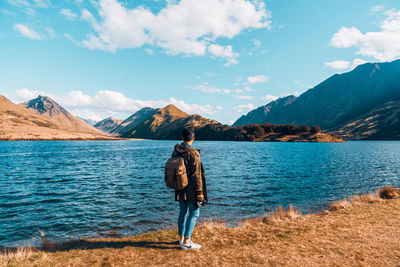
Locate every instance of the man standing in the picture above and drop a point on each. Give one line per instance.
(194, 194)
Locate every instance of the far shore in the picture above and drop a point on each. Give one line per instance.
(75, 139)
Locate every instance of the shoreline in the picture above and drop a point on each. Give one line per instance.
(143, 139)
(360, 230)
(71, 139)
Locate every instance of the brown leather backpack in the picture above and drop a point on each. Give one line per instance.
(175, 173)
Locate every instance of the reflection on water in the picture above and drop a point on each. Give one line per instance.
(78, 189)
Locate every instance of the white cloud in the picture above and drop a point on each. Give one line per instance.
(295, 93)
(31, 11)
(383, 45)
(224, 52)
(245, 107)
(258, 79)
(25, 3)
(188, 27)
(42, 3)
(19, 3)
(247, 97)
(27, 32)
(346, 37)
(7, 12)
(269, 98)
(68, 36)
(204, 87)
(149, 51)
(338, 64)
(345, 65)
(108, 102)
(68, 14)
(256, 42)
(50, 32)
(357, 61)
(377, 8)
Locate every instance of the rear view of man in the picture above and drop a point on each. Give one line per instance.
(194, 194)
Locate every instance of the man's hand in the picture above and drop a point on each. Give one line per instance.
(200, 198)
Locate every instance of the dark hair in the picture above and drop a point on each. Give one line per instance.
(187, 134)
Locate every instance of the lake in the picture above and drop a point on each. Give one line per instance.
(86, 188)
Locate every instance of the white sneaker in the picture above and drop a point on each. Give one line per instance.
(191, 245)
(180, 242)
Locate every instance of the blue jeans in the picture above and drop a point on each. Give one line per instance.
(188, 214)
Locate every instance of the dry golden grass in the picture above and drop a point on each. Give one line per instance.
(365, 232)
(282, 213)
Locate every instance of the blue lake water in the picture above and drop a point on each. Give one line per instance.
(83, 189)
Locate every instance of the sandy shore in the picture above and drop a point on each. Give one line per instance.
(363, 232)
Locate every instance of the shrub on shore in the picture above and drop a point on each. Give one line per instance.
(315, 129)
(388, 192)
(251, 132)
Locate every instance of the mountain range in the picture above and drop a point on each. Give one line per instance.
(43, 119)
(167, 124)
(361, 104)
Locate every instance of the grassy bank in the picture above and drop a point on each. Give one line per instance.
(361, 231)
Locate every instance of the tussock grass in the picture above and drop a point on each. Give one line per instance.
(282, 213)
(339, 205)
(363, 230)
(388, 192)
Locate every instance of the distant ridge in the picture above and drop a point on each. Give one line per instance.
(265, 113)
(343, 101)
(88, 121)
(46, 106)
(108, 124)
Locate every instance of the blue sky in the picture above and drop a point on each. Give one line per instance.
(216, 58)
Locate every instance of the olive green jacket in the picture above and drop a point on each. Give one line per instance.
(195, 171)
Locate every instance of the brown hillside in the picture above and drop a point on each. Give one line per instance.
(167, 123)
(20, 123)
(382, 123)
(47, 107)
(126, 126)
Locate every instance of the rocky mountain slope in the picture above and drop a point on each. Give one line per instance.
(346, 98)
(20, 123)
(167, 123)
(269, 112)
(382, 123)
(47, 107)
(125, 127)
(108, 124)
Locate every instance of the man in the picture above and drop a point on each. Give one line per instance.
(194, 194)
